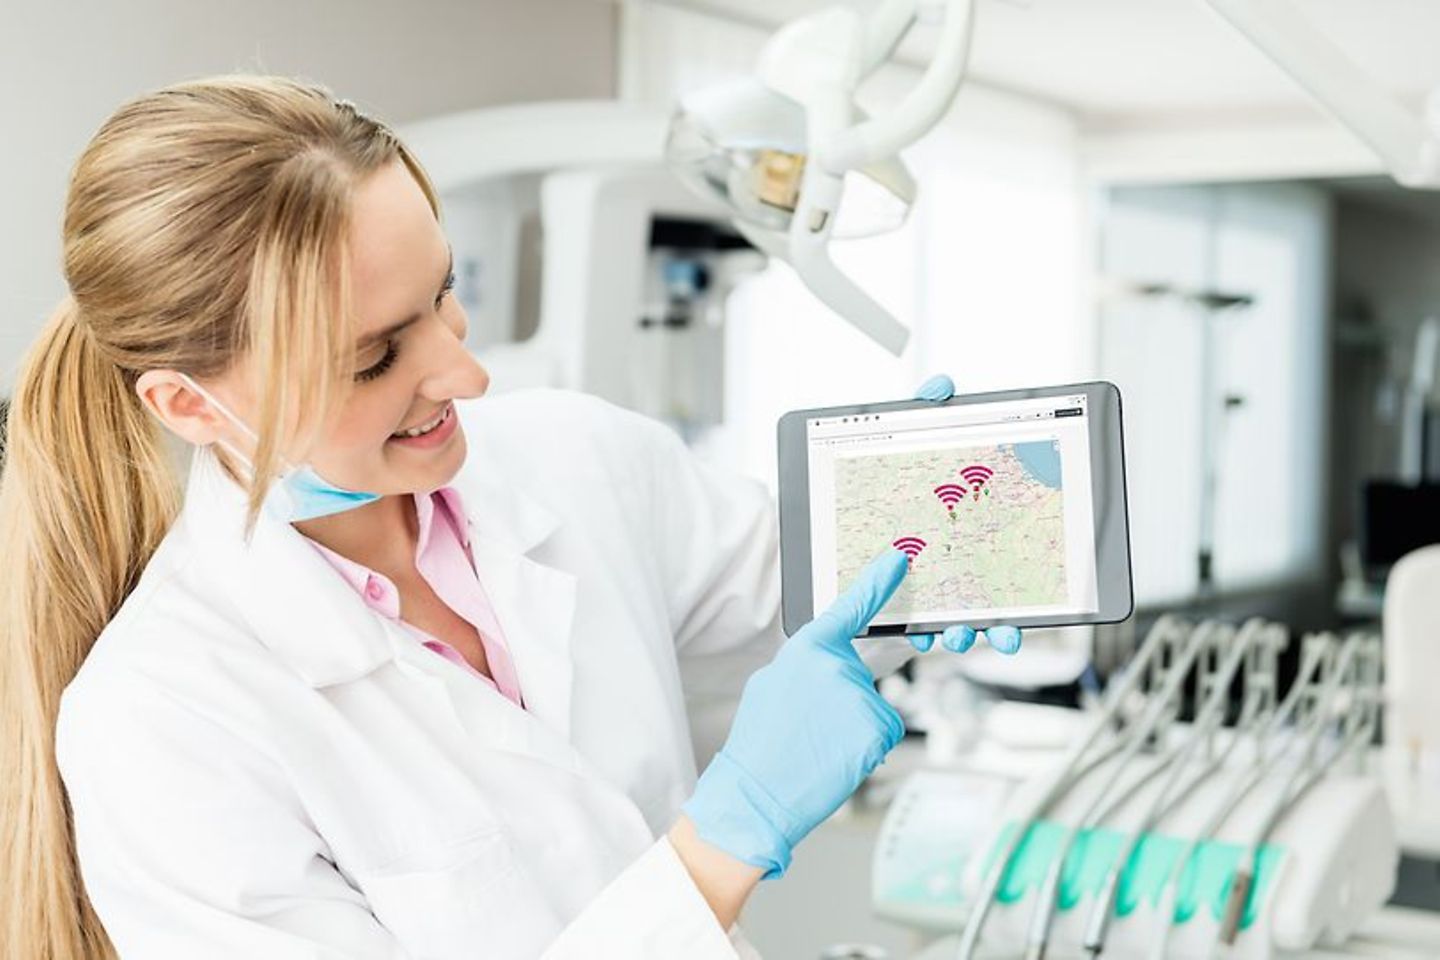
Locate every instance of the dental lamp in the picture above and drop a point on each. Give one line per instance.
(798, 164)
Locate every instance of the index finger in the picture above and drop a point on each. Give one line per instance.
(853, 610)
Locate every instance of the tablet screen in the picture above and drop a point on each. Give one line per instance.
(992, 502)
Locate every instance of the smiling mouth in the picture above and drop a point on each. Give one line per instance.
(428, 426)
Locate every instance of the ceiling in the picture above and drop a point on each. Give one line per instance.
(1118, 62)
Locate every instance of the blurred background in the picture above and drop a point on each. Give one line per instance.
(1124, 189)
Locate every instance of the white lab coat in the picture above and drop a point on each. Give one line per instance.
(262, 767)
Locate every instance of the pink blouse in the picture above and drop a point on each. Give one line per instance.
(442, 557)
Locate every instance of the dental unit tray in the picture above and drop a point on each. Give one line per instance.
(1155, 840)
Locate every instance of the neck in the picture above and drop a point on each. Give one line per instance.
(380, 535)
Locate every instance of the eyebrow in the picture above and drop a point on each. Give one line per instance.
(370, 339)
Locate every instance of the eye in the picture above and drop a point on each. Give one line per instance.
(392, 350)
(445, 288)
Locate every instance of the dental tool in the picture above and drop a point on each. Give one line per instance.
(1167, 630)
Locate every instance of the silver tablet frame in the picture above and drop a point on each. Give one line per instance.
(1115, 582)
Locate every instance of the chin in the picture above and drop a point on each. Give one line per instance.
(440, 469)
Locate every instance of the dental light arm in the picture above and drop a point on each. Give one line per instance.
(783, 153)
(885, 29)
(922, 107)
(1408, 145)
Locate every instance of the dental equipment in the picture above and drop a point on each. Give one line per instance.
(1266, 719)
(790, 152)
(1072, 768)
(1160, 710)
(1352, 670)
(1266, 834)
(1215, 693)
(1411, 623)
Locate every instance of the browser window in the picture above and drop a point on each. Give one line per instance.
(992, 502)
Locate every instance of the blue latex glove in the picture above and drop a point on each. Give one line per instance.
(959, 638)
(810, 728)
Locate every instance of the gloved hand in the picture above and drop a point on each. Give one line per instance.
(959, 638)
(809, 729)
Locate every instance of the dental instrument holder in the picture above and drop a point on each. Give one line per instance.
(1215, 675)
(1160, 712)
(1333, 826)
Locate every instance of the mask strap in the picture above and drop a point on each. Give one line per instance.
(226, 412)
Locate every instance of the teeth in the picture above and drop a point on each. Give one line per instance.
(425, 428)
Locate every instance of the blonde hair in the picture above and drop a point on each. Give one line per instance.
(204, 222)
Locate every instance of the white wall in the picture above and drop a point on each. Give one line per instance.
(1269, 241)
(65, 65)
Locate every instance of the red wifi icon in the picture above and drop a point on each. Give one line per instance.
(977, 476)
(950, 494)
(910, 546)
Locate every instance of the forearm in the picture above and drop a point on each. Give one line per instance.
(724, 881)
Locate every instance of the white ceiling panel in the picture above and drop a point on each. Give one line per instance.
(1117, 62)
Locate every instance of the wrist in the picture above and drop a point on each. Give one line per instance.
(725, 881)
(732, 811)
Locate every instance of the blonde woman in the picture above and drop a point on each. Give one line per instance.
(407, 673)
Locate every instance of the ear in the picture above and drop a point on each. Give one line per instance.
(180, 407)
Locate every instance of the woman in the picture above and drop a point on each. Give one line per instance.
(409, 675)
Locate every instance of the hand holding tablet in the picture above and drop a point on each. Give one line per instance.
(1010, 506)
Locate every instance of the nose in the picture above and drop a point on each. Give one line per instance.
(453, 373)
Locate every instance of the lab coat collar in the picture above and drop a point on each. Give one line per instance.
(499, 513)
(295, 601)
(534, 602)
(313, 620)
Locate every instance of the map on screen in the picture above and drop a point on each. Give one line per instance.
(984, 526)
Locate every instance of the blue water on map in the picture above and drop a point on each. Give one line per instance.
(1041, 459)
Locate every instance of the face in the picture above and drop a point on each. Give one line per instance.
(397, 431)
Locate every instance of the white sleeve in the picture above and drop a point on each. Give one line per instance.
(191, 844)
(652, 910)
(717, 544)
(719, 536)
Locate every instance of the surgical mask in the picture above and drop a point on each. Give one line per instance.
(299, 493)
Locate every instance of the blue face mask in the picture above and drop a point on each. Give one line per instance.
(300, 493)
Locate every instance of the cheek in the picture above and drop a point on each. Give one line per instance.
(369, 417)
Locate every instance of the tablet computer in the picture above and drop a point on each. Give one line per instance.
(1010, 505)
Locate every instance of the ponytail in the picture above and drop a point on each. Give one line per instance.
(85, 496)
(204, 223)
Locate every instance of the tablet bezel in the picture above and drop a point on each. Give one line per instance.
(1112, 529)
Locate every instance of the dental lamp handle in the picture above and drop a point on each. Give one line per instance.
(833, 288)
(809, 254)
